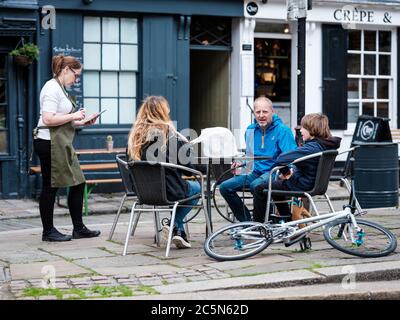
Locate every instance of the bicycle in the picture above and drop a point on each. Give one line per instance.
(342, 231)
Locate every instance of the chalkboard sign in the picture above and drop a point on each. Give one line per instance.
(76, 90)
(372, 129)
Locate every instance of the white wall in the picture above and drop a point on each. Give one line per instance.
(242, 77)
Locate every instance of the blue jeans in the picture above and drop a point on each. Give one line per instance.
(230, 187)
(181, 212)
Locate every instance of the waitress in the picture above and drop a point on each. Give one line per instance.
(53, 144)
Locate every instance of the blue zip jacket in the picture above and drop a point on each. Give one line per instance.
(277, 138)
(304, 173)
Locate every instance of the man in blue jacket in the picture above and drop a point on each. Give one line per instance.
(267, 136)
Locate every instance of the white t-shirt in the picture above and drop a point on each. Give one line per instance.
(52, 99)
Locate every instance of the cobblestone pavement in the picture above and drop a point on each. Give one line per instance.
(85, 268)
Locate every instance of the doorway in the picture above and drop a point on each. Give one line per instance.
(209, 89)
(272, 68)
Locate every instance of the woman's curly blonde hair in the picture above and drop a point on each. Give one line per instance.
(152, 120)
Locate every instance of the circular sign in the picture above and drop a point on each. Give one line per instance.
(367, 130)
(252, 8)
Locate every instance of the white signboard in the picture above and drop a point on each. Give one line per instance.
(345, 15)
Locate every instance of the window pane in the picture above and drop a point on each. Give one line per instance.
(369, 64)
(91, 29)
(369, 40)
(111, 115)
(91, 56)
(354, 64)
(3, 91)
(385, 41)
(110, 30)
(368, 108)
(384, 65)
(352, 112)
(91, 105)
(354, 40)
(129, 57)
(2, 65)
(128, 30)
(127, 84)
(109, 84)
(383, 89)
(368, 89)
(382, 109)
(3, 142)
(91, 84)
(110, 59)
(352, 89)
(127, 111)
(2, 117)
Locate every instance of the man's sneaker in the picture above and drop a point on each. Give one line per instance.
(180, 240)
(164, 233)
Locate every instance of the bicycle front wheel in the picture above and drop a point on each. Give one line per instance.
(372, 242)
(238, 241)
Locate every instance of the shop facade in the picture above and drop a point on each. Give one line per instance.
(182, 50)
(351, 61)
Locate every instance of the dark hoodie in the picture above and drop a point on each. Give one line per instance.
(177, 188)
(303, 177)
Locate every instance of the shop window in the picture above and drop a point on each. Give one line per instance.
(3, 106)
(110, 58)
(369, 73)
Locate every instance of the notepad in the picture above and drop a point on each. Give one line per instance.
(93, 116)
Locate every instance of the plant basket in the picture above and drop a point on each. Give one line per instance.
(22, 60)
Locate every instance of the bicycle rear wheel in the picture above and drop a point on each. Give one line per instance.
(374, 241)
(238, 241)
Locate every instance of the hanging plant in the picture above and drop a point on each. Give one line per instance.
(26, 54)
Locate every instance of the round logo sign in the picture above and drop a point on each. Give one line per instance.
(367, 130)
(252, 8)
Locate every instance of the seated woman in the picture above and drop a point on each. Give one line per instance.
(317, 137)
(153, 137)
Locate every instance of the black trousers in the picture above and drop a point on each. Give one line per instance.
(260, 200)
(48, 194)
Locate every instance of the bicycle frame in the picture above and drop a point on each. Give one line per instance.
(281, 228)
(323, 220)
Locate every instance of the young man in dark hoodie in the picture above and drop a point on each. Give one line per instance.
(317, 137)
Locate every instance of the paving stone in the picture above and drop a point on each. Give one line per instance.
(34, 270)
(26, 256)
(128, 282)
(97, 278)
(118, 262)
(378, 269)
(135, 270)
(285, 266)
(193, 261)
(151, 282)
(176, 280)
(121, 276)
(84, 253)
(260, 280)
(198, 278)
(218, 276)
(47, 298)
(271, 259)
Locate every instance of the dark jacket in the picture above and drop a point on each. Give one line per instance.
(304, 173)
(177, 188)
